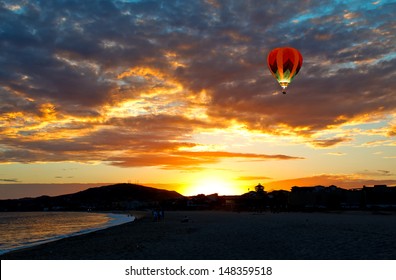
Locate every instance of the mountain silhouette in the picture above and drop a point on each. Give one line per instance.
(113, 197)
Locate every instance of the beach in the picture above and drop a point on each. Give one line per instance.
(213, 235)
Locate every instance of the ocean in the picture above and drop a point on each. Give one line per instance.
(24, 229)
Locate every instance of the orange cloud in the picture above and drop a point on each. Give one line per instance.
(187, 160)
(150, 88)
(326, 143)
(347, 181)
(220, 154)
(252, 178)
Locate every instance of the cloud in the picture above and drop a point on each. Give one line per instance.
(347, 181)
(377, 143)
(159, 140)
(392, 131)
(326, 143)
(252, 178)
(328, 85)
(187, 159)
(130, 83)
(336, 154)
(9, 180)
(376, 173)
(220, 154)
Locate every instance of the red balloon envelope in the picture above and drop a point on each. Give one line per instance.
(284, 64)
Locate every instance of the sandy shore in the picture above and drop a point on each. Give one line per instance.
(229, 235)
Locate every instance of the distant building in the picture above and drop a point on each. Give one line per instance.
(316, 197)
(379, 197)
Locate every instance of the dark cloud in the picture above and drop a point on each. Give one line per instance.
(65, 63)
(376, 173)
(337, 83)
(9, 180)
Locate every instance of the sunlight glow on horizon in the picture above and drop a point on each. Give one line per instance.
(209, 185)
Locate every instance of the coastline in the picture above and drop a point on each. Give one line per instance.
(230, 235)
(115, 219)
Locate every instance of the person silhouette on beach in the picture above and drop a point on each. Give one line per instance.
(155, 215)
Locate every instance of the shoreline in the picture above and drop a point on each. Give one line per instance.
(115, 219)
(229, 235)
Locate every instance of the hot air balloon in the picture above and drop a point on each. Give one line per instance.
(284, 64)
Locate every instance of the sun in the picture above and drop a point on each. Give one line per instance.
(210, 184)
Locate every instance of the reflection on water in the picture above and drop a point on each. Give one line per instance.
(21, 229)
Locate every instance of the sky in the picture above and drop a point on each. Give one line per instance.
(177, 95)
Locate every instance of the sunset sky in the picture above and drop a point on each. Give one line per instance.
(177, 95)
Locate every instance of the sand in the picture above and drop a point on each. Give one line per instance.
(228, 235)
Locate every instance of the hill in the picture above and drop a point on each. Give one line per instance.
(113, 197)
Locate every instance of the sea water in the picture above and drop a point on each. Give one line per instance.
(24, 229)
